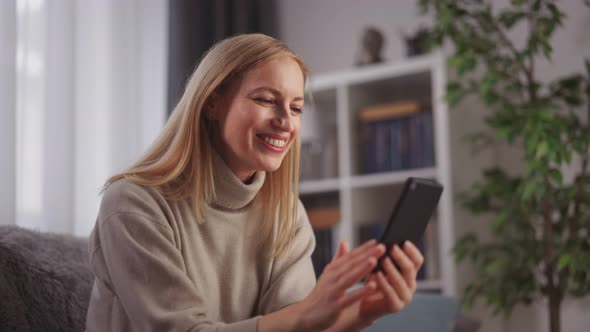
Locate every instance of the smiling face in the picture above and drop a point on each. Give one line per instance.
(258, 117)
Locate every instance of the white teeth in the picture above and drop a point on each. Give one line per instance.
(275, 142)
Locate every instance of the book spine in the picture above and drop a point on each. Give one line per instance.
(428, 139)
(369, 148)
(381, 146)
(323, 249)
(421, 136)
(397, 144)
(414, 143)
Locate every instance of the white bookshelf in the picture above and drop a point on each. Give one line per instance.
(336, 98)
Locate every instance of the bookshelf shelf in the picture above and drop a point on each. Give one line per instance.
(340, 178)
(319, 186)
(373, 73)
(379, 179)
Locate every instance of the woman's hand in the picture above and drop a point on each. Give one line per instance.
(322, 307)
(395, 288)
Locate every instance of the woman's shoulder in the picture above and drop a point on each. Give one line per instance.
(124, 196)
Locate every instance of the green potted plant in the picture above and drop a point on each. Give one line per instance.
(540, 222)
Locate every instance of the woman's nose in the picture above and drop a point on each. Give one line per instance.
(284, 121)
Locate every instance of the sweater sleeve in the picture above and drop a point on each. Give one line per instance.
(292, 276)
(138, 262)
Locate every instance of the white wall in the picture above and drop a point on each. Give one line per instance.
(7, 111)
(327, 34)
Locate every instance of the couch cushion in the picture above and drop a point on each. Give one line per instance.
(426, 313)
(45, 281)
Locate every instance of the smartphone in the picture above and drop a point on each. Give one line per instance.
(413, 209)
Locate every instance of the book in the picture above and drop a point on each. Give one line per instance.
(322, 254)
(397, 143)
(389, 110)
(368, 231)
(322, 220)
(323, 217)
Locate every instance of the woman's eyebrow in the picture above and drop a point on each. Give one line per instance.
(273, 91)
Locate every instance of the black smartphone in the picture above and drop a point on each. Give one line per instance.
(411, 213)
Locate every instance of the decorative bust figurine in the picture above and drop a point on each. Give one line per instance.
(372, 45)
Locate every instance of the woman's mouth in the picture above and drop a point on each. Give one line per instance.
(273, 144)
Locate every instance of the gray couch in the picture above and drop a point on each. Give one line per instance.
(427, 313)
(45, 284)
(45, 281)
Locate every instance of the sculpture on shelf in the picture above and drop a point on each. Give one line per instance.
(371, 47)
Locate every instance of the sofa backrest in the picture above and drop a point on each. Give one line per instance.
(45, 281)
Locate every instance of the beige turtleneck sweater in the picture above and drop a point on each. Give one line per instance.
(158, 270)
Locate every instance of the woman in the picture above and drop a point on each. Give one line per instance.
(206, 233)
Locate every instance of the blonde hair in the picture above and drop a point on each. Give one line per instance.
(179, 161)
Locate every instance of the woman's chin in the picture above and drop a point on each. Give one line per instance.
(271, 165)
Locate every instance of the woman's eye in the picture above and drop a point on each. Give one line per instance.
(265, 100)
(297, 110)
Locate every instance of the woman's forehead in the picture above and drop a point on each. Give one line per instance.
(282, 74)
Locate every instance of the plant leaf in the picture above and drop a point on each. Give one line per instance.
(542, 149)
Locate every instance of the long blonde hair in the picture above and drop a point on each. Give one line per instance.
(179, 161)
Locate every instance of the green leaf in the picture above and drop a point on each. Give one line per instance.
(498, 266)
(545, 114)
(510, 18)
(444, 18)
(468, 65)
(455, 93)
(455, 60)
(555, 13)
(465, 244)
(542, 149)
(463, 62)
(587, 64)
(556, 175)
(565, 260)
(568, 89)
(529, 189)
(502, 221)
(547, 49)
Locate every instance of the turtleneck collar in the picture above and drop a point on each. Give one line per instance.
(231, 192)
